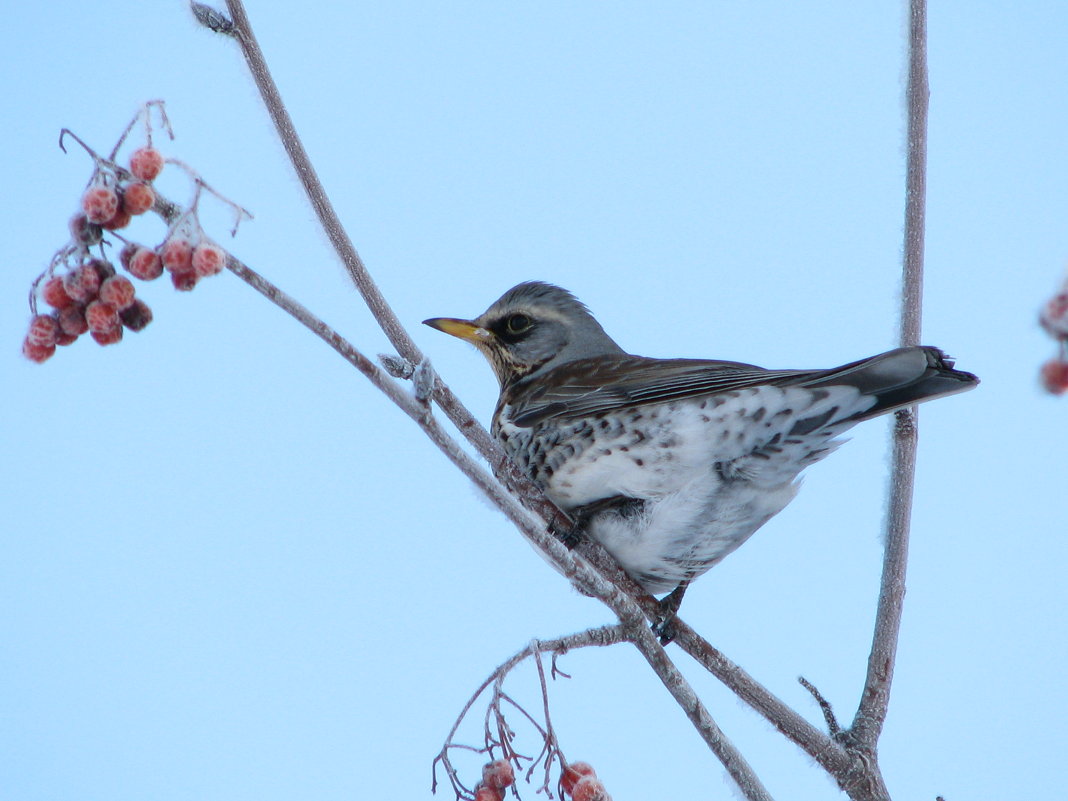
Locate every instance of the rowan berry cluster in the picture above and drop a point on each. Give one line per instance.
(83, 290)
(1054, 319)
(496, 778)
(580, 781)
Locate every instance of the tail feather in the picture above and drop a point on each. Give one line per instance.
(899, 378)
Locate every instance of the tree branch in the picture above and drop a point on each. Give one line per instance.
(871, 713)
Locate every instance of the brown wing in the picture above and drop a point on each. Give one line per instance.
(590, 386)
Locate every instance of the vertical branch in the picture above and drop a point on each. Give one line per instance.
(868, 723)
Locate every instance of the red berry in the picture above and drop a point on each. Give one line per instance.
(54, 294)
(101, 317)
(120, 220)
(146, 163)
(104, 269)
(109, 337)
(84, 232)
(37, 353)
(65, 339)
(208, 259)
(137, 316)
(177, 254)
(1054, 316)
(72, 321)
(184, 280)
(138, 198)
(127, 253)
(145, 265)
(484, 793)
(118, 291)
(574, 772)
(82, 284)
(1055, 376)
(589, 788)
(100, 204)
(43, 330)
(499, 774)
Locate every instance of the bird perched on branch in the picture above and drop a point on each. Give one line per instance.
(671, 464)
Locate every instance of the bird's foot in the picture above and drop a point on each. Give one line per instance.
(664, 627)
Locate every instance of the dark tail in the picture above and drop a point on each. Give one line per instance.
(899, 378)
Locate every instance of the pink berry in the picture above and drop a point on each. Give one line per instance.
(145, 265)
(100, 204)
(574, 772)
(43, 330)
(177, 254)
(101, 317)
(72, 321)
(138, 198)
(589, 788)
(54, 294)
(120, 219)
(208, 259)
(109, 337)
(137, 316)
(1055, 376)
(82, 284)
(1054, 316)
(37, 353)
(499, 774)
(118, 291)
(84, 232)
(146, 163)
(185, 279)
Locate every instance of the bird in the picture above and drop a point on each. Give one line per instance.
(671, 464)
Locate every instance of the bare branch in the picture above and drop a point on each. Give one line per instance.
(871, 713)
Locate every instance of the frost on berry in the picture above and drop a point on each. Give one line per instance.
(184, 279)
(100, 204)
(118, 291)
(499, 774)
(589, 788)
(1055, 376)
(177, 254)
(484, 793)
(101, 317)
(72, 321)
(82, 284)
(137, 316)
(54, 294)
(43, 330)
(137, 198)
(84, 232)
(208, 259)
(1054, 316)
(37, 353)
(145, 264)
(109, 337)
(574, 772)
(146, 163)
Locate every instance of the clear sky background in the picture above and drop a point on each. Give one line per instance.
(232, 570)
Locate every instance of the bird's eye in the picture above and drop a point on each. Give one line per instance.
(518, 323)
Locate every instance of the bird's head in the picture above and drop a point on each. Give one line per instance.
(532, 327)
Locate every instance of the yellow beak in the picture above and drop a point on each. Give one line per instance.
(464, 329)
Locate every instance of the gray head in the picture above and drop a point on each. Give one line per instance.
(532, 327)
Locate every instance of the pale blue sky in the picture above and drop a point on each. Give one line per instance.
(231, 570)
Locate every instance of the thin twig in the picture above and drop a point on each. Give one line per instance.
(871, 712)
(824, 704)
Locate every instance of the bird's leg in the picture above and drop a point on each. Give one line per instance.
(664, 628)
(582, 515)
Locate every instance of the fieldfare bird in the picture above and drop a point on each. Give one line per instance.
(671, 464)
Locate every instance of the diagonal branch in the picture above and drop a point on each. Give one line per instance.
(871, 714)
